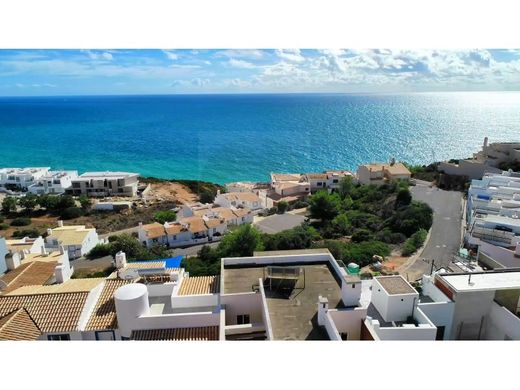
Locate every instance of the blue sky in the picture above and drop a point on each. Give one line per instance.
(87, 72)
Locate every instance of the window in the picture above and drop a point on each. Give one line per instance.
(58, 337)
(335, 181)
(243, 319)
(319, 184)
(105, 335)
(353, 285)
(344, 335)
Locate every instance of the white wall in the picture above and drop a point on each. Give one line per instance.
(3, 254)
(242, 303)
(406, 332)
(501, 324)
(349, 321)
(194, 301)
(470, 308)
(395, 307)
(266, 319)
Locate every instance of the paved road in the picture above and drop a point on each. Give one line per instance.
(445, 237)
(279, 222)
(192, 250)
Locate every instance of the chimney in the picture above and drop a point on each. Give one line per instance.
(120, 260)
(49, 232)
(60, 223)
(140, 224)
(323, 308)
(44, 251)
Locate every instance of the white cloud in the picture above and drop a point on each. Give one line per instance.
(102, 56)
(171, 55)
(241, 64)
(251, 54)
(292, 55)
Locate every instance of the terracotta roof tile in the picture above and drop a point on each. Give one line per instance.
(72, 285)
(205, 333)
(154, 230)
(104, 315)
(29, 274)
(200, 285)
(51, 312)
(18, 326)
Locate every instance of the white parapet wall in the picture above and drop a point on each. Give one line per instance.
(502, 324)
(265, 312)
(348, 321)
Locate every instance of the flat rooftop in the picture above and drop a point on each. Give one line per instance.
(483, 281)
(292, 304)
(395, 285)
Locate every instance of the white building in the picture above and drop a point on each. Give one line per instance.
(487, 304)
(239, 199)
(3, 254)
(22, 177)
(55, 182)
(77, 239)
(100, 184)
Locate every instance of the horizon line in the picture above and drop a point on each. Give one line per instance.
(257, 93)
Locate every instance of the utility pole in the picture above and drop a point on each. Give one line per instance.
(433, 264)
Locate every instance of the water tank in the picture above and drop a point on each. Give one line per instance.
(353, 268)
(131, 302)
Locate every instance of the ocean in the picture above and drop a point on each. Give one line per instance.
(223, 138)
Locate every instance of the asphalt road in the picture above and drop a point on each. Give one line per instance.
(445, 236)
(279, 222)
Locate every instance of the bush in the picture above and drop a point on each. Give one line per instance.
(100, 250)
(281, 207)
(9, 204)
(414, 242)
(165, 216)
(324, 206)
(3, 226)
(71, 213)
(22, 221)
(409, 219)
(362, 235)
(300, 204)
(32, 233)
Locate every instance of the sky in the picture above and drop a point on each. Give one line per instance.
(114, 72)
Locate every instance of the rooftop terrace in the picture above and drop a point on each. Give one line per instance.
(292, 302)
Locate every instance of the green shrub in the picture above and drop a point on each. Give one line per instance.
(32, 233)
(3, 226)
(165, 216)
(71, 213)
(415, 241)
(362, 235)
(22, 221)
(281, 207)
(100, 250)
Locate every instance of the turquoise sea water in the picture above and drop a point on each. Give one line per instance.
(224, 138)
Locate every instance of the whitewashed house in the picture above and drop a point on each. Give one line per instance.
(77, 240)
(239, 199)
(54, 182)
(99, 184)
(22, 177)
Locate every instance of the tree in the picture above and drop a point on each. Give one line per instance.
(165, 216)
(71, 213)
(282, 207)
(9, 204)
(241, 242)
(346, 185)
(404, 198)
(28, 202)
(324, 206)
(49, 202)
(128, 244)
(66, 201)
(85, 202)
(341, 225)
